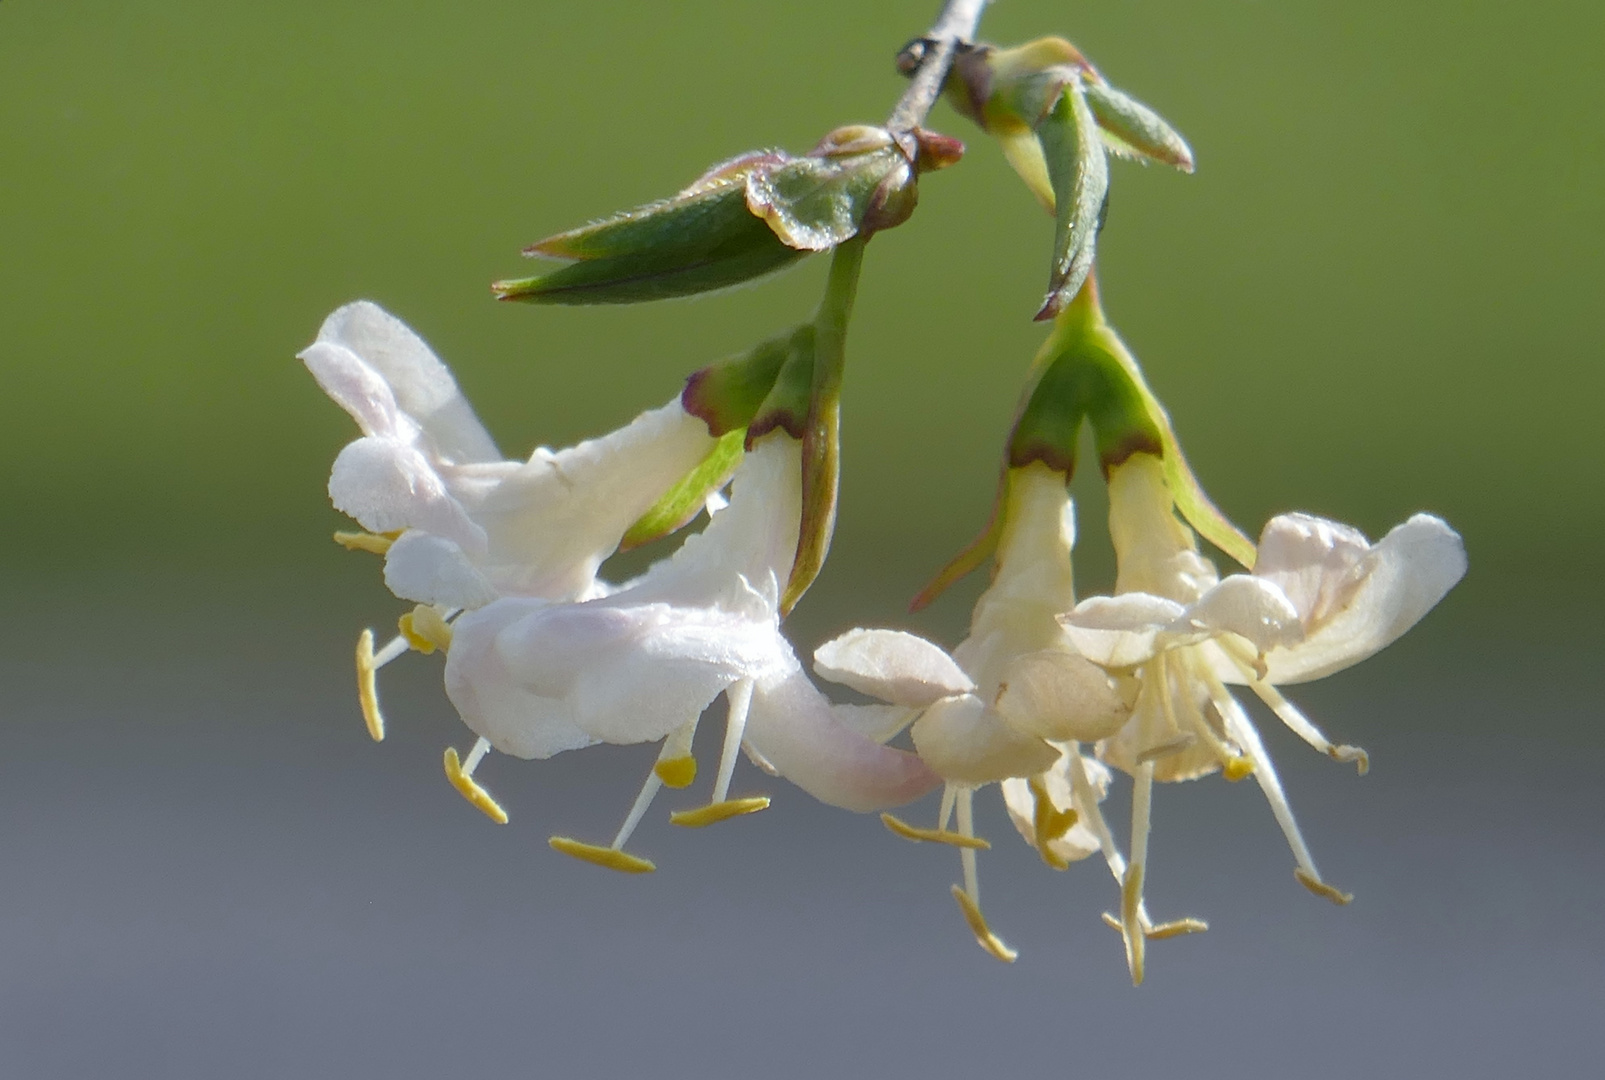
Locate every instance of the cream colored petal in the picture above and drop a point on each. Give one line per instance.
(1248, 606)
(891, 665)
(1309, 559)
(965, 742)
(1061, 696)
(1397, 582)
(422, 385)
(1079, 841)
(1120, 631)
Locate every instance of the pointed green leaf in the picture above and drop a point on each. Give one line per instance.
(631, 279)
(1079, 168)
(1132, 129)
(682, 502)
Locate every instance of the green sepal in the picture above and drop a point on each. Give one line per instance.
(727, 395)
(1132, 129)
(974, 555)
(686, 498)
(786, 405)
(855, 182)
(1078, 166)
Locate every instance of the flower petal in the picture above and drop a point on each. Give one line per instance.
(792, 726)
(891, 665)
(1309, 558)
(1397, 582)
(1062, 696)
(433, 570)
(389, 486)
(965, 742)
(1246, 605)
(1119, 631)
(422, 385)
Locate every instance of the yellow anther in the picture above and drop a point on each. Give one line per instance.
(677, 772)
(1238, 767)
(368, 687)
(425, 630)
(1049, 823)
(983, 933)
(1174, 928)
(612, 858)
(1177, 928)
(1362, 760)
(472, 791)
(719, 811)
(933, 836)
(1131, 927)
(378, 543)
(1321, 888)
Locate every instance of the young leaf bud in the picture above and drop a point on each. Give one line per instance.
(1131, 129)
(1079, 168)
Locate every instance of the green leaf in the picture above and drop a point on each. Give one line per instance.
(632, 279)
(702, 239)
(1132, 129)
(682, 502)
(1079, 169)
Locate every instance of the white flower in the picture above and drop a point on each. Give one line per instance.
(1012, 703)
(475, 526)
(534, 677)
(1320, 598)
(457, 524)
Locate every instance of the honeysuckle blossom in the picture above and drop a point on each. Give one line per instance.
(1012, 704)
(1320, 598)
(457, 524)
(535, 677)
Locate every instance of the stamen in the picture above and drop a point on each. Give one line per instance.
(950, 795)
(722, 807)
(602, 856)
(1321, 888)
(377, 543)
(714, 813)
(1301, 726)
(966, 807)
(983, 933)
(676, 767)
(425, 630)
(1133, 927)
(649, 790)
(462, 779)
(368, 686)
(933, 836)
(1049, 823)
(1236, 768)
(1174, 928)
(1242, 730)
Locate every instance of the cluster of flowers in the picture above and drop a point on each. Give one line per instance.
(1046, 696)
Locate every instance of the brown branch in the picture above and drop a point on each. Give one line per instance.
(929, 59)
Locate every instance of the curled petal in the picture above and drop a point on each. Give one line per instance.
(1120, 631)
(1022, 800)
(891, 665)
(1397, 582)
(796, 730)
(1246, 605)
(389, 486)
(1310, 559)
(422, 386)
(965, 742)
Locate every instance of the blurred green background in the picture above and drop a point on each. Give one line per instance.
(1379, 294)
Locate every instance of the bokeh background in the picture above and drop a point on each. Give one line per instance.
(1380, 293)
